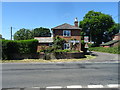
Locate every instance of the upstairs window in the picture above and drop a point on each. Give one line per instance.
(66, 33)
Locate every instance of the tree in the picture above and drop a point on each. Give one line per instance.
(95, 25)
(58, 43)
(23, 34)
(111, 32)
(41, 32)
(1, 37)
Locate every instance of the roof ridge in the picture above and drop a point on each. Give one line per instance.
(66, 26)
(60, 25)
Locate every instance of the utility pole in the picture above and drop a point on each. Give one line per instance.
(11, 33)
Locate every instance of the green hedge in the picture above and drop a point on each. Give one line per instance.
(114, 50)
(27, 46)
(10, 47)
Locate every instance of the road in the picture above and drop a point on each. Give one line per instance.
(98, 71)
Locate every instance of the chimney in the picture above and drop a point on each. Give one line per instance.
(76, 22)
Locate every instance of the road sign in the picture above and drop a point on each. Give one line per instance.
(86, 45)
(86, 39)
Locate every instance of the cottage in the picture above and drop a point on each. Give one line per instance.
(71, 33)
(114, 42)
(44, 42)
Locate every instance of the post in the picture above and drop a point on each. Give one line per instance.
(11, 33)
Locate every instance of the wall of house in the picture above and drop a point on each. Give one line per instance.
(42, 46)
(106, 46)
(75, 34)
(116, 44)
(116, 38)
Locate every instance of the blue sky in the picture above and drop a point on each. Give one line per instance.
(32, 15)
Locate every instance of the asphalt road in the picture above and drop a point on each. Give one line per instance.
(104, 71)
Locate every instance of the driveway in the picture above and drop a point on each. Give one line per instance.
(104, 57)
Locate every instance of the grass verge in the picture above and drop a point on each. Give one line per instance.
(114, 50)
(88, 57)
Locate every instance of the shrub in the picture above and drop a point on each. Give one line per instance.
(58, 43)
(90, 45)
(47, 56)
(66, 50)
(82, 45)
(10, 47)
(27, 46)
(49, 50)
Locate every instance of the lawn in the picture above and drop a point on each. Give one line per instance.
(114, 50)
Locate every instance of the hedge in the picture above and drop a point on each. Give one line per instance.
(10, 47)
(114, 50)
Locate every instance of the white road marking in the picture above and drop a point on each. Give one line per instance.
(54, 87)
(95, 86)
(71, 86)
(74, 86)
(113, 85)
(35, 87)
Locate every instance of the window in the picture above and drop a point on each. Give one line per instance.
(66, 33)
(67, 46)
(50, 44)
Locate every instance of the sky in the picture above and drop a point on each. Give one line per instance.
(32, 15)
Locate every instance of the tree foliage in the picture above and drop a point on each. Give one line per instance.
(97, 26)
(23, 34)
(1, 37)
(58, 43)
(41, 32)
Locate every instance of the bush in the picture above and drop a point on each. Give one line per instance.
(10, 47)
(82, 45)
(90, 45)
(27, 46)
(47, 56)
(66, 50)
(58, 43)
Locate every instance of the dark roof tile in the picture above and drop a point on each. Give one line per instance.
(110, 42)
(118, 34)
(66, 26)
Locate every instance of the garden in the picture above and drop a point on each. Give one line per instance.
(26, 51)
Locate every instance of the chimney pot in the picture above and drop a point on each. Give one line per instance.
(76, 22)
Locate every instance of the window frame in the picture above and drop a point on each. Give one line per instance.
(66, 34)
(50, 44)
(67, 44)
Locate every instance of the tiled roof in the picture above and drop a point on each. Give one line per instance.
(66, 26)
(44, 39)
(110, 42)
(118, 34)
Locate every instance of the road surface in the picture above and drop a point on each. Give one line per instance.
(101, 71)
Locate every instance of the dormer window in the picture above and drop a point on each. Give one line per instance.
(66, 33)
